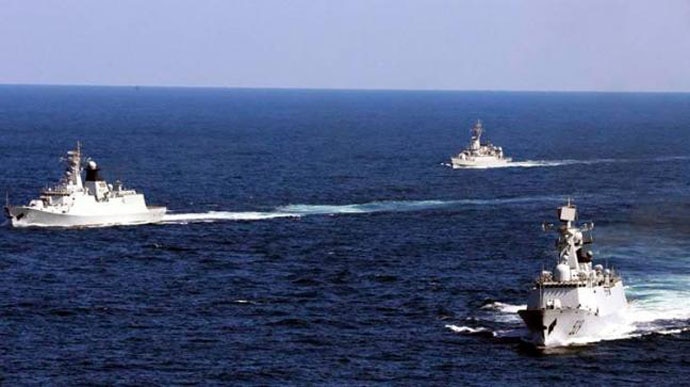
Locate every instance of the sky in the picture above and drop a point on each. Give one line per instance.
(539, 45)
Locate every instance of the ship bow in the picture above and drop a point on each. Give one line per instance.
(534, 319)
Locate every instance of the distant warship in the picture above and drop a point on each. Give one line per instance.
(93, 203)
(575, 300)
(478, 154)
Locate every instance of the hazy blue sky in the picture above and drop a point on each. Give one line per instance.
(616, 45)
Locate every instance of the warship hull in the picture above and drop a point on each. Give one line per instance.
(479, 162)
(580, 322)
(22, 216)
(553, 328)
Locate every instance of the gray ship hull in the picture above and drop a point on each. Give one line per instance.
(551, 328)
(21, 216)
(588, 314)
(479, 162)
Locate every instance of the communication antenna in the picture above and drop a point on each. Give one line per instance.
(546, 226)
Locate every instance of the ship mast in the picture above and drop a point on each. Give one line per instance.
(476, 135)
(567, 235)
(73, 172)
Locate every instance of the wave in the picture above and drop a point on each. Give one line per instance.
(661, 304)
(503, 307)
(300, 210)
(404, 205)
(468, 330)
(558, 163)
(502, 312)
(537, 163)
(503, 335)
(662, 312)
(519, 164)
(212, 216)
(242, 301)
(365, 208)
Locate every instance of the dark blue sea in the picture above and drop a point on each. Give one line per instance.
(320, 238)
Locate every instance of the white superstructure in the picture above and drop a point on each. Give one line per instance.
(91, 203)
(575, 301)
(478, 154)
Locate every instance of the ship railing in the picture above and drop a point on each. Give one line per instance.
(56, 192)
(568, 283)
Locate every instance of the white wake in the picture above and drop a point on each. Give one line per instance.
(213, 216)
(300, 210)
(661, 304)
(558, 163)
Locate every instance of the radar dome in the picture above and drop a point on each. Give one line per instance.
(92, 164)
(562, 272)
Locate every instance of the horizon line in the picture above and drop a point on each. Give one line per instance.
(372, 89)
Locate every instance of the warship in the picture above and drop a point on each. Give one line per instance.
(89, 203)
(478, 155)
(577, 300)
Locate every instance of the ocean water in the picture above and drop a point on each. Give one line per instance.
(319, 237)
